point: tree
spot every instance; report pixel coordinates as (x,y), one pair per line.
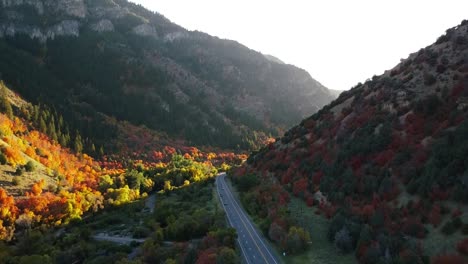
(78,144)
(343,241)
(227,256)
(297,239)
(29,167)
(168,186)
(276,233)
(5,105)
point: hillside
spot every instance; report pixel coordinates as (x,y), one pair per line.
(60,206)
(386,163)
(102,62)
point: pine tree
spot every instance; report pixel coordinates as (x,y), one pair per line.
(42,125)
(78,144)
(5,105)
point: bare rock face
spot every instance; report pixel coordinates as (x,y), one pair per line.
(64,28)
(38,5)
(103,25)
(145,30)
(175,36)
(76,8)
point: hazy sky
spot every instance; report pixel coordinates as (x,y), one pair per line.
(340,43)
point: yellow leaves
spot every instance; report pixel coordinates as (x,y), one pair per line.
(8,213)
(14,157)
(122,195)
(225,167)
(211,156)
(6,126)
(148,185)
(168,186)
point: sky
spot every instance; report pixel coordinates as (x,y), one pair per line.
(339,42)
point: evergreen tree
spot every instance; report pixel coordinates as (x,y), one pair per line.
(78,144)
(42,125)
(5,105)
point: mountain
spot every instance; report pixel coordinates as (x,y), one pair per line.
(274,59)
(102,62)
(386,162)
(335,93)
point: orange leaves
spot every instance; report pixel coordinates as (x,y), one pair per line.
(8,214)
(14,156)
(36,189)
(7,203)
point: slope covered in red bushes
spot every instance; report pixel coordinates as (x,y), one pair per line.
(387,161)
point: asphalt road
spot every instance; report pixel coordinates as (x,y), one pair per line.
(253,246)
(124,240)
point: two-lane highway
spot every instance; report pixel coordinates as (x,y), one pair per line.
(253,246)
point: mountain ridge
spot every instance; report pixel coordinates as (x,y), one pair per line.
(197,87)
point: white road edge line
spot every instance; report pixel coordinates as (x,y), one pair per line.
(230,223)
(248,221)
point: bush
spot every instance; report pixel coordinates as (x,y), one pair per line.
(465,229)
(457,222)
(140,232)
(16,181)
(447,259)
(29,167)
(449,228)
(343,241)
(462,246)
(3,159)
(19,171)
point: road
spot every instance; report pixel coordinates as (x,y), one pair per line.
(254,248)
(125,240)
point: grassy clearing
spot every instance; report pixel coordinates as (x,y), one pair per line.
(125,220)
(321,250)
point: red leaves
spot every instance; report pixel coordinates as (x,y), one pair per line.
(462,247)
(300,186)
(368,211)
(384,157)
(414,124)
(317,177)
(310,201)
(458,89)
(435,216)
(448,259)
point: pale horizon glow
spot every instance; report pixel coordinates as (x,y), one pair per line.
(339,42)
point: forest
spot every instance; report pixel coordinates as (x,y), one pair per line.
(57,197)
(386,165)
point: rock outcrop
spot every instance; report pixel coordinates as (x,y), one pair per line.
(103,25)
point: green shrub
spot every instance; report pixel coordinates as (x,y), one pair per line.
(30,166)
(449,228)
(3,159)
(140,232)
(19,171)
(16,181)
(465,229)
(457,222)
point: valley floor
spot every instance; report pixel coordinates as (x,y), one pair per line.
(321,250)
